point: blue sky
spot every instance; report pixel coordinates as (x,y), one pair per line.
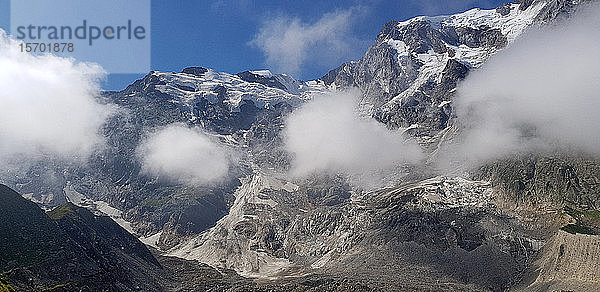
(220,34)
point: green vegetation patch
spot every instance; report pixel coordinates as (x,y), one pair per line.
(587,221)
(576,228)
(582,213)
(150,202)
(61,212)
(591,214)
(4,286)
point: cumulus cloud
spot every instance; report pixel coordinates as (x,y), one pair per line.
(328,135)
(48,105)
(184,155)
(541,93)
(288,42)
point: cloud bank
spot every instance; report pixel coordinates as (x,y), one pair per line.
(328,135)
(288,42)
(182,154)
(543,92)
(48,105)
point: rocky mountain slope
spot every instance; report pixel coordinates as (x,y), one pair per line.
(409,75)
(491,228)
(567,264)
(71,249)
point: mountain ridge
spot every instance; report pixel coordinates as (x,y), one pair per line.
(263,224)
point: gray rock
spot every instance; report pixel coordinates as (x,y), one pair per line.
(197,71)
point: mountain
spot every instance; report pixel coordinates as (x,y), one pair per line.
(71,249)
(409,75)
(508,224)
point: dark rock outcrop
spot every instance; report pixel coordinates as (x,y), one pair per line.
(196,71)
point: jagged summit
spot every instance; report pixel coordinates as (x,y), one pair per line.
(262,89)
(414,65)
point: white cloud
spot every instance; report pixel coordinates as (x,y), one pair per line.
(328,135)
(183,154)
(542,92)
(48,105)
(288,43)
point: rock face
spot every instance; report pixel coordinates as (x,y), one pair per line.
(408,76)
(223,104)
(446,226)
(572,181)
(484,230)
(71,249)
